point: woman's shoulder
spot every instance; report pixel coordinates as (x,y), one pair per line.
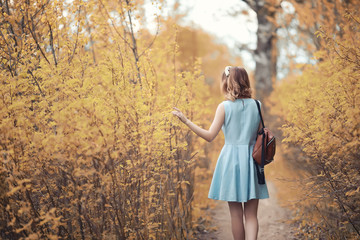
(257,100)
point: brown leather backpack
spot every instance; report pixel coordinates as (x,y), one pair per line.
(264,149)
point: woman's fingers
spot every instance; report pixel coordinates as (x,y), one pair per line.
(176,113)
(179,114)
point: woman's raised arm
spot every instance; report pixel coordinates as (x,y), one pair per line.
(214,129)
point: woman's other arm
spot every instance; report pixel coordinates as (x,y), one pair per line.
(214,129)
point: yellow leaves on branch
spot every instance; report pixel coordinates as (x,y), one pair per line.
(88,151)
(321,111)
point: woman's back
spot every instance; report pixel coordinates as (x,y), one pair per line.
(241,121)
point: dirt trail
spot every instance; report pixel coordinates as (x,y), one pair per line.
(270,214)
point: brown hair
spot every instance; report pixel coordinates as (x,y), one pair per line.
(236,85)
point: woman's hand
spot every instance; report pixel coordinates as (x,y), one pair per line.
(180,115)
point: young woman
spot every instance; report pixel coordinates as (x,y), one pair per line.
(235,178)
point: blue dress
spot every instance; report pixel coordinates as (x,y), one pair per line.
(235,177)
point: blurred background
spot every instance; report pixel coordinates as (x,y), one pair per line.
(90,149)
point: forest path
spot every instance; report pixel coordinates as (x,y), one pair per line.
(270,214)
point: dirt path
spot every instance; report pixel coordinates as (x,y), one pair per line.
(270,219)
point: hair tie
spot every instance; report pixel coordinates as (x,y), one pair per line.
(227,70)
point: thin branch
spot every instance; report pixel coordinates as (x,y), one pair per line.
(36,82)
(352,16)
(113,24)
(77,35)
(36,41)
(88,28)
(42,8)
(134,48)
(52,43)
(156,34)
(7,44)
(245,47)
(10,29)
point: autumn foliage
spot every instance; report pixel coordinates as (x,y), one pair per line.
(89,147)
(321,110)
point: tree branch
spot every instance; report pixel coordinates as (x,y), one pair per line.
(36,41)
(7,44)
(112,23)
(134,48)
(37,83)
(245,47)
(52,43)
(40,9)
(77,36)
(156,34)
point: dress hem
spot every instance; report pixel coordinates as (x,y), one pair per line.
(231,200)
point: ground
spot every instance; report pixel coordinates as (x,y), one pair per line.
(271,215)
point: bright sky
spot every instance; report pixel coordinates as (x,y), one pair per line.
(214,16)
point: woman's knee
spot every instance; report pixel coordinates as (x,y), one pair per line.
(249,216)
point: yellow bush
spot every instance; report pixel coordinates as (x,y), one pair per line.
(89,146)
(322,117)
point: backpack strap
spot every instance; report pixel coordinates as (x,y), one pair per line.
(260,172)
(258,107)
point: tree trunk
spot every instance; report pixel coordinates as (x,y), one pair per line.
(265,53)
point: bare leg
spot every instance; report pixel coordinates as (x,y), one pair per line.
(251,221)
(237,225)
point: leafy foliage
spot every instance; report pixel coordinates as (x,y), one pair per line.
(89,147)
(321,113)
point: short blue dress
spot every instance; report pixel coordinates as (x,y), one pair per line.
(235,177)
